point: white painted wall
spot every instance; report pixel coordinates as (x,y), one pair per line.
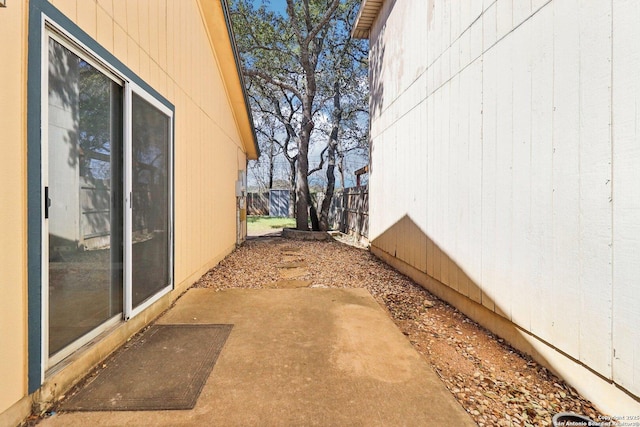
(505,163)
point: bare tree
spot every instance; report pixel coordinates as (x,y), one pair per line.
(301,66)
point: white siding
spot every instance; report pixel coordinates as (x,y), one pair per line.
(626,194)
(506,163)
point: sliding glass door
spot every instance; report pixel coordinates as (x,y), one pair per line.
(84,197)
(107,185)
(150,189)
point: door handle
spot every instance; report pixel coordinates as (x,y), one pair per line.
(47,202)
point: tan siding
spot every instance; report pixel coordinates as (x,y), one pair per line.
(13,277)
(167,45)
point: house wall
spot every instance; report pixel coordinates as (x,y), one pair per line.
(167,44)
(504,173)
(13,280)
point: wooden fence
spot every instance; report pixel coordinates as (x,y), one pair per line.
(349,212)
(258,203)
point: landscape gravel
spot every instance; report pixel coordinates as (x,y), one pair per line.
(494,383)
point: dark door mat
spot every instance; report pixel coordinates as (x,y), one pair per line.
(164,368)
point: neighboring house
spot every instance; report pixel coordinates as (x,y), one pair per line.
(126,136)
(505,173)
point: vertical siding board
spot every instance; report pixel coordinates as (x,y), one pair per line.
(383,171)
(154,30)
(541,172)
(133,25)
(87,17)
(437,202)
(595,185)
(489,166)
(431,185)
(375,188)
(423,195)
(446,26)
(104,29)
(430,24)
(504,184)
(521,11)
(394,144)
(465,48)
(68,7)
(403,144)
(464,235)
(489,24)
(120,43)
(120,12)
(389,175)
(144,25)
(465,14)
(411,177)
(377,178)
(445,222)
(522,250)
(476,8)
(476,39)
(566,186)
(453,220)
(626,194)
(474,182)
(162,37)
(374,163)
(180,206)
(454,10)
(504,17)
(420,194)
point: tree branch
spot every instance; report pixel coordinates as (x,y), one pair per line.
(269,79)
(321,165)
(323,21)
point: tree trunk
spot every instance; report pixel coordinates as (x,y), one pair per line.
(292,187)
(302,179)
(341,170)
(332,147)
(313,213)
(271,165)
(331,181)
(302,188)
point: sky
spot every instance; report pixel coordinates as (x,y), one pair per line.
(274,5)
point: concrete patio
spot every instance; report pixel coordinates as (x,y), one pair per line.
(307,356)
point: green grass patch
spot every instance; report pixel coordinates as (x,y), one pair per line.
(268,223)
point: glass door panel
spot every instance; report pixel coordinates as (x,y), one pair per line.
(150,238)
(85,219)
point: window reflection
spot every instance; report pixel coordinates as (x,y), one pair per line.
(85,220)
(150,252)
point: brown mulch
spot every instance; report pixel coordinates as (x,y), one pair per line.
(495,383)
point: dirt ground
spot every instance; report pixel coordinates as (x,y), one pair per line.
(495,384)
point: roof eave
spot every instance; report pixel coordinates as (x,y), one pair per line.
(369,10)
(224,46)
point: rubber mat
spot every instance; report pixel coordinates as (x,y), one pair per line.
(164,368)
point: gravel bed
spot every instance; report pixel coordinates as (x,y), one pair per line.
(495,383)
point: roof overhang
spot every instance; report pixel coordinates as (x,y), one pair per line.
(218,23)
(368,13)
